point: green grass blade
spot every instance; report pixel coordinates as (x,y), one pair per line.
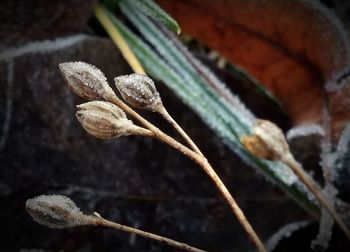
(151,9)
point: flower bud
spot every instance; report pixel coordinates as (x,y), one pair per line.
(139,91)
(55,211)
(104,120)
(267,141)
(86,80)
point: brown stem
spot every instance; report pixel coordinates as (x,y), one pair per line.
(202,161)
(313,187)
(99,221)
(163,112)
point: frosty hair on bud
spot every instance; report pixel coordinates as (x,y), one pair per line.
(139,91)
(55,211)
(86,80)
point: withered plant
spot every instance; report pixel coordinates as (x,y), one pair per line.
(105,117)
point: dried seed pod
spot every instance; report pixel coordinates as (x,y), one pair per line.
(139,91)
(267,141)
(104,120)
(86,80)
(55,211)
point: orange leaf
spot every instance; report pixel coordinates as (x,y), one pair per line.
(295,48)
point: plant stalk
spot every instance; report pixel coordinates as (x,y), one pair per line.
(313,187)
(204,164)
(99,221)
(163,112)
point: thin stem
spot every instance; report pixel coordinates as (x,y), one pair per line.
(157,132)
(163,112)
(202,161)
(142,132)
(99,221)
(313,187)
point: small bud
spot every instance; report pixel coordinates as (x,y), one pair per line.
(139,91)
(86,80)
(104,120)
(267,141)
(55,211)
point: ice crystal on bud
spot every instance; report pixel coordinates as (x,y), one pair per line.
(86,80)
(104,120)
(267,141)
(139,91)
(55,211)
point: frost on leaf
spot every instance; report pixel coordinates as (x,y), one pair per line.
(283,233)
(339,161)
(305,130)
(55,211)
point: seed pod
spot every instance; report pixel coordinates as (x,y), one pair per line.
(86,80)
(139,91)
(104,120)
(267,141)
(55,211)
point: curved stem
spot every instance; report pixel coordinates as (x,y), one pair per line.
(163,112)
(99,221)
(204,164)
(313,187)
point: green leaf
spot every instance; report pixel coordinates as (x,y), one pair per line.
(151,9)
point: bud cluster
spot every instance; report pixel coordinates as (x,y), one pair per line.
(104,119)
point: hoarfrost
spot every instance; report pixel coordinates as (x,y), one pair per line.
(55,211)
(45,46)
(305,130)
(284,232)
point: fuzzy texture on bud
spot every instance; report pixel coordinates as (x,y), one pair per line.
(55,211)
(86,80)
(139,91)
(104,120)
(267,141)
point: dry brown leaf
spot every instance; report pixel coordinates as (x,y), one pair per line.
(295,48)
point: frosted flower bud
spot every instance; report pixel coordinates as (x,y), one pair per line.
(267,141)
(104,120)
(86,80)
(55,211)
(139,91)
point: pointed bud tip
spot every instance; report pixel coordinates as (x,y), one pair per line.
(139,91)
(267,141)
(55,211)
(86,80)
(104,120)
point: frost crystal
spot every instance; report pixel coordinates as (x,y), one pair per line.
(284,232)
(55,211)
(321,243)
(104,120)
(139,91)
(305,130)
(86,80)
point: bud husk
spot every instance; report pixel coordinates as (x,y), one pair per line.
(139,91)
(104,120)
(55,211)
(86,80)
(267,141)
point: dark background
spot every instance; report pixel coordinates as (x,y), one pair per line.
(131,180)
